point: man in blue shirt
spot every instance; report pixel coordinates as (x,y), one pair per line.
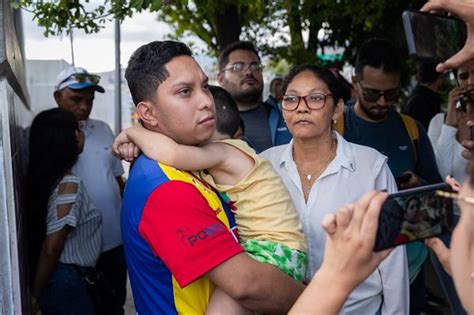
(374,122)
(240,73)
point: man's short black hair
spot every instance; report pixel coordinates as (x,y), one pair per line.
(239,45)
(379,54)
(227,112)
(427,72)
(146,68)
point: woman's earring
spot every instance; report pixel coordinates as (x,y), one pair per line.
(334,121)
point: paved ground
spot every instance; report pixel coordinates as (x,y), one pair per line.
(129,305)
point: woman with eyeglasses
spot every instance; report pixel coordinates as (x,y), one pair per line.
(63,225)
(323,172)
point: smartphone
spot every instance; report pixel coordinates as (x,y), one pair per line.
(433,37)
(402,178)
(412,215)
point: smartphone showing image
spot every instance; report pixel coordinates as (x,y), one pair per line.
(412,215)
(433,37)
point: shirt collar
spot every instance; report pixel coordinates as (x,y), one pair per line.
(344,155)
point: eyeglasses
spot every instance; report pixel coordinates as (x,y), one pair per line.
(372,95)
(455,196)
(313,101)
(240,66)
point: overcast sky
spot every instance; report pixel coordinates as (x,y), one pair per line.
(96,51)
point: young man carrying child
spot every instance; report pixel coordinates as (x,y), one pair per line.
(267,222)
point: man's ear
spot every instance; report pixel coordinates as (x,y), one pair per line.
(57,97)
(147,113)
(220,78)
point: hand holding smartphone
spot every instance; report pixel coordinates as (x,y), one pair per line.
(433,37)
(414,214)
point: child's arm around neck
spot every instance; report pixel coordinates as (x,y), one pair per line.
(215,156)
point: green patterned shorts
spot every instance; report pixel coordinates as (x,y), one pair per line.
(291,261)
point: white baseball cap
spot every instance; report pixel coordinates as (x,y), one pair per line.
(77,78)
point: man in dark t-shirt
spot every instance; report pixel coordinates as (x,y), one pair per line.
(425,102)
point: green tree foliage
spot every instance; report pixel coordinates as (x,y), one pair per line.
(295,30)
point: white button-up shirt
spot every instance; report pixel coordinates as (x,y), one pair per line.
(355,170)
(98,169)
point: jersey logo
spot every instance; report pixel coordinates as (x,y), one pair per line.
(403,147)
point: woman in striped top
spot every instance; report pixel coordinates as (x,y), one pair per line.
(63,224)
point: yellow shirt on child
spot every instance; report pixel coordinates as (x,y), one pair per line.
(265,210)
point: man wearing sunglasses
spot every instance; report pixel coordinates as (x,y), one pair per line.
(240,73)
(374,122)
(100,172)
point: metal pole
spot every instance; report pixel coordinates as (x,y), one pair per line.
(118,80)
(71,40)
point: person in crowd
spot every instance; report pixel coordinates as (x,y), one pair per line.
(179,235)
(374,122)
(275,92)
(63,225)
(424,101)
(240,73)
(100,172)
(447,130)
(267,222)
(322,171)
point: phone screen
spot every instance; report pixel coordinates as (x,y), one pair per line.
(412,215)
(433,37)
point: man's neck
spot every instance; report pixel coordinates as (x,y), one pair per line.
(361,114)
(244,107)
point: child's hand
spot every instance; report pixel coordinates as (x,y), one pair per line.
(128,151)
(124,148)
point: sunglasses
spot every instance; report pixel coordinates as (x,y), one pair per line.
(372,95)
(86,77)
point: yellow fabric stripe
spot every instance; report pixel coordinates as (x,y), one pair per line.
(211,197)
(194,298)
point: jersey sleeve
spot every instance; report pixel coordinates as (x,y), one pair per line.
(184,231)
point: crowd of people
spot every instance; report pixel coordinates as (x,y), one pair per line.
(283,221)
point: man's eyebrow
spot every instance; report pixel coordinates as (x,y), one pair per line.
(183,83)
(189,83)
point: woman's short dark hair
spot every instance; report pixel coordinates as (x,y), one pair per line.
(321,73)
